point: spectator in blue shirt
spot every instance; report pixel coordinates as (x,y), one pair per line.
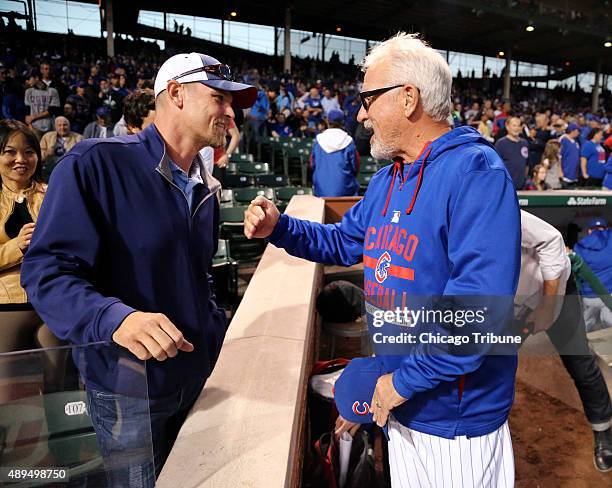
(592,122)
(284,100)
(593,159)
(313,108)
(514,151)
(280,127)
(351,107)
(256,120)
(570,155)
(329,102)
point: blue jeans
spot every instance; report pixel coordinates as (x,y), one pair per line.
(135,435)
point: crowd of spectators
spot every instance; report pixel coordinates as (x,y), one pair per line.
(548,138)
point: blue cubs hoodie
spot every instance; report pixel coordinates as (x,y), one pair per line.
(335,164)
(447,224)
(596,250)
(114,235)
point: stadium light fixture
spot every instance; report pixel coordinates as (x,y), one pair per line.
(608,44)
(530,27)
(338,29)
(501,54)
(233,13)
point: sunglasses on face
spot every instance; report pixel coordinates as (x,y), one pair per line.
(222,71)
(367,97)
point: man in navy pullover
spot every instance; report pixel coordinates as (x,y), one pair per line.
(570,155)
(434,223)
(127,234)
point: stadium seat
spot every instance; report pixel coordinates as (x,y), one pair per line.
(368,168)
(295,163)
(364,181)
(232,215)
(243,196)
(365,160)
(285,194)
(241,249)
(248,168)
(239,181)
(278,153)
(227,197)
(272,181)
(225,277)
(305,143)
(265,148)
(241,158)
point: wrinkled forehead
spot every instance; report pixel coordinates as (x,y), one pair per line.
(374,75)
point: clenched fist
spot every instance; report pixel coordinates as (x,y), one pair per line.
(149,335)
(260,218)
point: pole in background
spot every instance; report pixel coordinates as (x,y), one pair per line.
(287,44)
(110,34)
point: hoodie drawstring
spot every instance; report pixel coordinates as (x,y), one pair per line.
(397,166)
(419,180)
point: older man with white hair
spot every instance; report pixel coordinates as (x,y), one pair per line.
(56,143)
(441,221)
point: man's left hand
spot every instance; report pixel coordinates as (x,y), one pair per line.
(385,399)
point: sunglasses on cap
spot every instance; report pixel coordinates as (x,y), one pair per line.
(222,71)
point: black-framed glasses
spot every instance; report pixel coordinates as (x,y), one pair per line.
(366,95)
(222,71)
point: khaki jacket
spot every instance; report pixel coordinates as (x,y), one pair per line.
(48,140)
(10,254)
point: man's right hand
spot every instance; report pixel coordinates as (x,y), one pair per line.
(148,335)
(260,218)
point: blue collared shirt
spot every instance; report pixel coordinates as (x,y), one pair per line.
(187,182)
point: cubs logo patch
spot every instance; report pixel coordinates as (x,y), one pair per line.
(382,267)
(363,411)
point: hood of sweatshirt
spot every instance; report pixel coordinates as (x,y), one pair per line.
(333,140)
(428,155)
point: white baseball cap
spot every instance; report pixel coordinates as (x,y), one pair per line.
(188,68)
